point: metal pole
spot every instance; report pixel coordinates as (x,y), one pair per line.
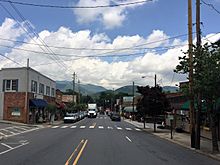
(192,119)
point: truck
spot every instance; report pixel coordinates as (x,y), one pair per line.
(92,110)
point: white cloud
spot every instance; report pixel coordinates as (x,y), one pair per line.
(109,17)
(101,71)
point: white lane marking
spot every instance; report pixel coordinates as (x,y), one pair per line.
(6,145)
(2,134)
(101,127)
(9,131)
(82,126)
(110,128)
(21,128)
(137,129)
(128,139)
(101,117)
(13,148)
(129,129)
(16,130)
(92,126)
(105,117)
(119,128)
(74,126)
(65,126)
(56,126)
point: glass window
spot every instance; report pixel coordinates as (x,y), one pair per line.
(33,86)
(48,91)
(41,88)
(52,92)
(10,85)
(15,111)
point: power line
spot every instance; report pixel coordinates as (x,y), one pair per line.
(36,35)
(10,59)
(211,6)
(76,6)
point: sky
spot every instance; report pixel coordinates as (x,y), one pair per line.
(106,46)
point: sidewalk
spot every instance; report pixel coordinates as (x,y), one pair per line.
(182,139)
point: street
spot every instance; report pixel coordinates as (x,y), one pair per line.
(98,141)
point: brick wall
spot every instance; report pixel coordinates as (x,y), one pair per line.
(14,107)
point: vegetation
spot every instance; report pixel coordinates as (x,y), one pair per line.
(206,79)
(152,103)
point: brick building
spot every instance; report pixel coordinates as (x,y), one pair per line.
(24,94)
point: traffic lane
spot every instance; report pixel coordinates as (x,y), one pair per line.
(46,146)
(165,150)
(111,147)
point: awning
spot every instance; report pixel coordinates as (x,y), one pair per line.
(39,103)
(129,109)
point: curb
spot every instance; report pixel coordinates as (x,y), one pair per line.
(179,143)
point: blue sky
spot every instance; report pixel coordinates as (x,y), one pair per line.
(108,28)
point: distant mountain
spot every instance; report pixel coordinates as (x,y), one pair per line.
(85,89)
(170,89)
(127,89)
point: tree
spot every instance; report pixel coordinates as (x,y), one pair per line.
(152,103)
(206,79)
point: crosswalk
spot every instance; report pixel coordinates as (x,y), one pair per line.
(95,127)
(15,130)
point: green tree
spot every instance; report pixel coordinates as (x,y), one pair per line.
(152,103)
(206,79)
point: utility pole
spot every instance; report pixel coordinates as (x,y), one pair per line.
(79,90)
(26,94)
(191,108)
(74,81)
(133,101)
(198,44)
(155,85)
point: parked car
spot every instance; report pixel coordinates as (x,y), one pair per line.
(70,118)
(116,117)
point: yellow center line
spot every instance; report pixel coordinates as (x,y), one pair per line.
(67,162)
(80,153)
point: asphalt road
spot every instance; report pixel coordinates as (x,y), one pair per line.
(95,142)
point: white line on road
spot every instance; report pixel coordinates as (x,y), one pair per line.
(92,126)
(110,128)
(13,148)
(6,145)
(82,126)
(105,117)
(2,134)
(119,128)
(65,126)
(137,129)
(129,129)
(128,139)
(101,117)
(74,126)
(55,126)
(101,127)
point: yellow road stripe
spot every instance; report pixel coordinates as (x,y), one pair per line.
(80,153)
(67,162)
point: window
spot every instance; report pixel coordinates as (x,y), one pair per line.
(10,85)
(52,92)
(33,86)
(15,111)
(48,91)
(41,88)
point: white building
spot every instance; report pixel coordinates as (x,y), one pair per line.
(23,89)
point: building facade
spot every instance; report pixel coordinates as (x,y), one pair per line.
(24,94)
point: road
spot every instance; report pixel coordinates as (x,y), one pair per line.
(95,141)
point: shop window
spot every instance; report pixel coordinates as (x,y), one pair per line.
(15,112)
(48,91)
(41,88)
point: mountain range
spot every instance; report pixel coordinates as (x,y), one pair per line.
(91,89)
